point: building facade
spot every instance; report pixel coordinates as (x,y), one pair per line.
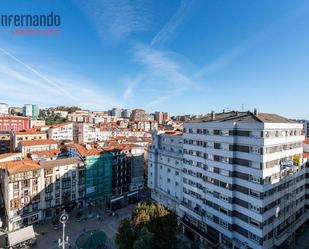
(30,110)
(13,123)
(243,180)
(34,191)
(5,142)
(165,169)
(4,109)
(61,132)
(26,135)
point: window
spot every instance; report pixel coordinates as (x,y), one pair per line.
(223,223)
(254,208)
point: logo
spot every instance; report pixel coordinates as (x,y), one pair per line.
(46,24)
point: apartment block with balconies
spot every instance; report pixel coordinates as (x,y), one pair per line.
(243,180)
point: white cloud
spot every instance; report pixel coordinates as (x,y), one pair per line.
(161,77)
(21,83)
(170,27)
(116,20)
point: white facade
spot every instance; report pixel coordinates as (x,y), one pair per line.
(4,109)
(85,133)
(243,180)
(61,132)
(37,122)
(165,169)
(235,177)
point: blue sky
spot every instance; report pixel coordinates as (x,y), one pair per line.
(181,56)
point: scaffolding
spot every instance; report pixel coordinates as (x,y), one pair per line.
(98,177)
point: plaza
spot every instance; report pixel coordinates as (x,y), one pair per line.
(47,235)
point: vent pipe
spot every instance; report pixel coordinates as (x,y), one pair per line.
(213,115)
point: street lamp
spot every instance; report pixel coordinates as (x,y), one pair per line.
(65,240)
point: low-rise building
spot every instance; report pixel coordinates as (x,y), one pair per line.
(13,123)
(85,133)
(61,113)
(36,122)
(34,191)
(61,132)
(28,146)
(4,109)
(27,135)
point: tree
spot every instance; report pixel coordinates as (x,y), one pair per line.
(152,226)
(159,220)
(146,240)
(126,236)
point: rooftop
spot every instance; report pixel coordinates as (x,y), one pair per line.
(59,162)
(20,166)
(6,155)
(37,142)
(245,117)
(47,153)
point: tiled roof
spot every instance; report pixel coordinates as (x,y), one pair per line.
(37,142)
(60,125)
(306,154)
(306,141)
(6,155)
(13,117)
(29,132)
(20,166)
(47,153)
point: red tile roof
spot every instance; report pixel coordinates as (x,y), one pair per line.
(47,153)
(20,166)
(37,142)
(6,155)
(306,141)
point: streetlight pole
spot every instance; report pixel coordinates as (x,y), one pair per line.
(65,240)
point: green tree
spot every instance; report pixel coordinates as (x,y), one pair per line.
(151,226)
(126,236)
(146,240)
(159,221)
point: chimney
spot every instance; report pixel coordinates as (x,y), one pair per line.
(213,115)
(255,112)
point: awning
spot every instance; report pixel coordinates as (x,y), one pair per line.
(117,199)
(134,193)
(21,235)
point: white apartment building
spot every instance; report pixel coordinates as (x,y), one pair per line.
(61,113)
(104,135)
(4,109)
(165,169)
(85,133)
(34,191)
(37,122)
(61,132)
(243,180)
